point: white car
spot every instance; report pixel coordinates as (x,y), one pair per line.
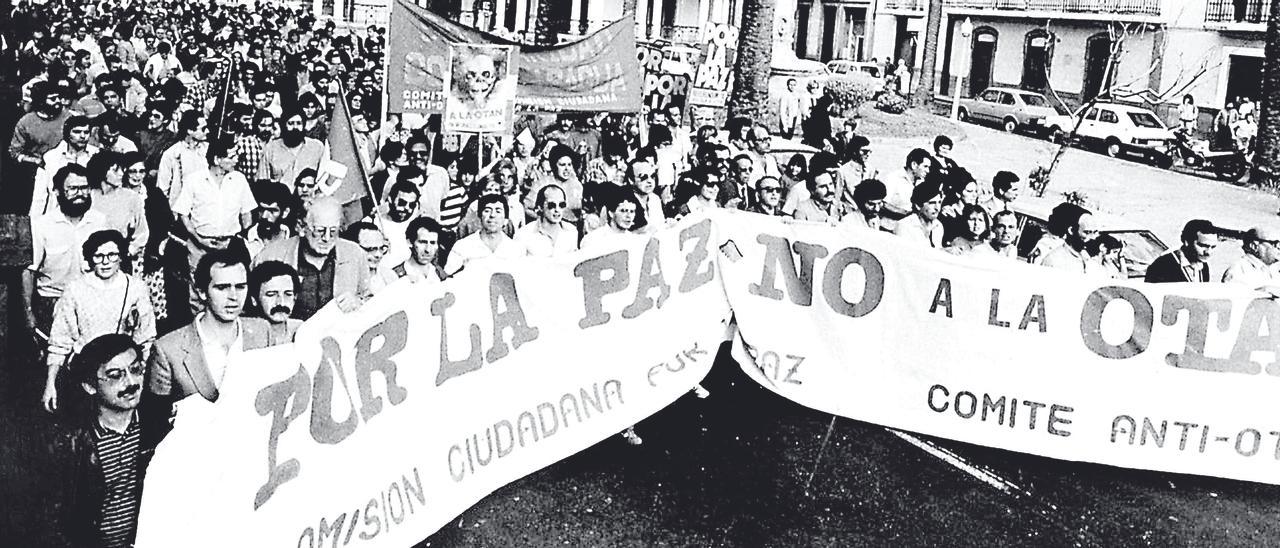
(1116,129)
(677,59)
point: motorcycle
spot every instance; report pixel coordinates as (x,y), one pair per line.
(1227,165)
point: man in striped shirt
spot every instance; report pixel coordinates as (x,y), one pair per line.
(107,449)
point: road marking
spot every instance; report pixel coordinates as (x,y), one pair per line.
(982,474)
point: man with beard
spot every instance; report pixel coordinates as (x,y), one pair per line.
(550,235)
(1189,263)
(402,207)
(186,157)
(423,235)
(922,228)
(56,240)
(155,138)
(269,217)
(1073,256)
(273,286)
(284,158)
(252,139)
(821,203)
(329,268)
(435,178)
(102,455)
(74,149)
(868,198)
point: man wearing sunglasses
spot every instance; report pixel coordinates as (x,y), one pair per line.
(768,197)
(550,235)
(104,453)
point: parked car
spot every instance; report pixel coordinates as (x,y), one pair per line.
(845,66)
(1115,129)
(678,59)
(1141,246)
(1011,108)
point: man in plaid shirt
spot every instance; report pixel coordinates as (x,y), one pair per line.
(252,138)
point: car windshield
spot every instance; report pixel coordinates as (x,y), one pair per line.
(1034,100)
(1144,119)
(1140,248)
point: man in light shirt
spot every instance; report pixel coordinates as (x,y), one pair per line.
(1257,268)
(922,227)
(74,149)
(550,235)
(185,157)
(423,235)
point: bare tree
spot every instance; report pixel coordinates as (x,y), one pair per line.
(1136,87)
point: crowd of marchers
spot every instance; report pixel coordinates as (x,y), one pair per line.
(173,156)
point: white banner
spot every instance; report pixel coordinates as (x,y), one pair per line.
(1179,378)
(377,428)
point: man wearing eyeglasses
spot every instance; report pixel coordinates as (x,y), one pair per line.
(329,268)
(103,454)
(763,164)
(403,205)
(1257,268)
(642,179)
(550,235)
(370,238)
(768,197)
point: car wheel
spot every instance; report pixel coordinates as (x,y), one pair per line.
(1232,170)
(962,114)
(1113,148)
(1163,161)
(1010,125)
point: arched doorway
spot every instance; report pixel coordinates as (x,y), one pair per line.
(1037,60)
(984,56)
(1097,79)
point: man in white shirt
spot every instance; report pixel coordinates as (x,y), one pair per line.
(490,242)
(620,225)
(1073,256)
(549,235)
(899,185)
(186,157)
(402,207)
(642,178)
(868,198)
(1257,268)
(922,228)
(161,65)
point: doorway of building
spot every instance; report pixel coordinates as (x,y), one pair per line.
(1037,60)
(1097,79)
(906,47)
(802,30)
(984,56)
(828,33)
(1244,78)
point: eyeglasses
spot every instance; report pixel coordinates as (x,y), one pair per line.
(378,248)
(711,183)
(321,232)
(136,369)
(556,204)
(106,257)
(770,189)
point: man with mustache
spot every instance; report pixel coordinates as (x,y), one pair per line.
(273,286)
(56,239)
(104,453)
(251,141)
(284,158)
(402,207)
(270,217)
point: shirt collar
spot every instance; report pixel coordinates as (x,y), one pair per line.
(102,431)
(204,338)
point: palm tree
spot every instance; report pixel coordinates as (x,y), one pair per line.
(750,95)
(1268,145)
(923,84)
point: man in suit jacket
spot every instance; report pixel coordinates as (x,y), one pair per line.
(329,268)
(1188,263)
(194,359)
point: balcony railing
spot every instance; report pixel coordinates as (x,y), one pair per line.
(682,34)
(905,5)
(1237,11)
(1100,7)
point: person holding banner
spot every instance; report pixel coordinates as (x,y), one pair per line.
(1072,256)
(273,289)
(922,227)
(549,235)
(868,199)
(1188,263)
(564,174)
(821,206)
(1257,268)
(1004,237)
(492,239)
(423,235)
(768,197)
(330,269)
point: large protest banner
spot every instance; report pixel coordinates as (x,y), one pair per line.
(1179,378)
(379,427)
(480,88)
(598,73)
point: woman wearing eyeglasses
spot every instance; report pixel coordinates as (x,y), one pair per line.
(102,301)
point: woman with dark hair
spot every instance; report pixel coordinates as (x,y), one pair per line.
(795,173)
(159,218)
(315,120)
(105,300)
(960,191)
(1108,256)
(124,208)
(974,232)
(817,128)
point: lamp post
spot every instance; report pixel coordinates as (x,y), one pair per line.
(966,30)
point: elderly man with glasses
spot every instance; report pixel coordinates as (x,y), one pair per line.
(329,268)
(1257,268)
(768,197)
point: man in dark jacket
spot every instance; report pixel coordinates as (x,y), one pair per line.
(105,450)
(1188,263)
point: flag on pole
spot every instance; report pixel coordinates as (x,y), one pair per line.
(345,177)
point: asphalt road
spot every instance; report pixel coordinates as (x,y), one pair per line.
(744,468)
